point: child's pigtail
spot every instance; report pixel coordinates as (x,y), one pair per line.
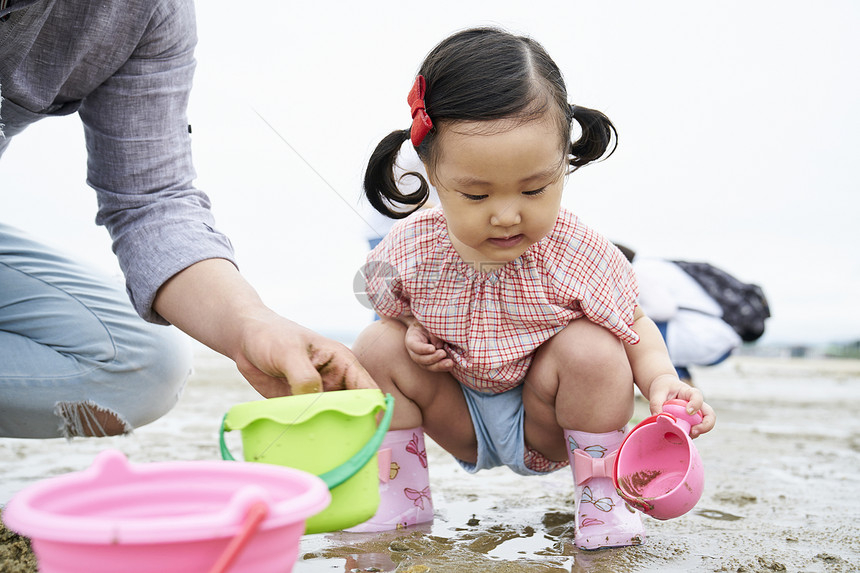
(598,136)
(380,186)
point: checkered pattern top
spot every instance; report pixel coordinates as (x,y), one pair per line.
(492,322)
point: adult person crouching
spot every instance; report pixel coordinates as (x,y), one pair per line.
(75,357)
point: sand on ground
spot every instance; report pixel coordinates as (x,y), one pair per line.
(782,485)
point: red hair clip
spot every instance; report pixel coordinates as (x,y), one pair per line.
(421,123)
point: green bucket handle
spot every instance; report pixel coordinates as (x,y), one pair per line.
(350,467)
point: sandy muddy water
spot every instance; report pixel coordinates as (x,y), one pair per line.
(782,485)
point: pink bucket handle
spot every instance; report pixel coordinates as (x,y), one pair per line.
(677,409)
(257,512)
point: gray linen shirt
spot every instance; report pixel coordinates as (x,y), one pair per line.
(126,67)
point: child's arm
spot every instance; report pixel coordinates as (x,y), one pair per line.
(655,376)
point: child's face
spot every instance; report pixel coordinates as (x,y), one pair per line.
(500,187)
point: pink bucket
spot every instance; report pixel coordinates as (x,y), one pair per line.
(170,517)
(658,469)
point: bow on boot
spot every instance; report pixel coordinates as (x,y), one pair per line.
(586,467)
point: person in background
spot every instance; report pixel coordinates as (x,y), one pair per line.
(689,319)
(75,357)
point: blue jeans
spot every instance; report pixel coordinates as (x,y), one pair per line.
(74,353)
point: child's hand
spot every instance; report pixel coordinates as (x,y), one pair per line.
(426,350)
(666,387)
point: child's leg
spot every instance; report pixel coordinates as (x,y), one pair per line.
(433,400)
(578,399)
(603,519)
(580,379)
(404,483)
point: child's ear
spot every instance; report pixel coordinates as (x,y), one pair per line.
(431,178)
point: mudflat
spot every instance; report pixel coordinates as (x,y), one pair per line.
(782,485)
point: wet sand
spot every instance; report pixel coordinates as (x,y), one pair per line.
(782,478)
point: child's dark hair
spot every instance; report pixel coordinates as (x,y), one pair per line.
(485,74)
(628,253)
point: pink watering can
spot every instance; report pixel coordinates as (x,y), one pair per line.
(658,469)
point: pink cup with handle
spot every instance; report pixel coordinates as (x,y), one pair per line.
(658,469)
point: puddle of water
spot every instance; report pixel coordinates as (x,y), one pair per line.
(511,539)
(717,514)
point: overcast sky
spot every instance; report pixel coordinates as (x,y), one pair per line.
(738,144)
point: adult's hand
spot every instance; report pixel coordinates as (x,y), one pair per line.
(279,357)
(214,304)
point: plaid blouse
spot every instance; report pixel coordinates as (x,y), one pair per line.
(492,322)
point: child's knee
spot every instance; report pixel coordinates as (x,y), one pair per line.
(583,346)
(379,343)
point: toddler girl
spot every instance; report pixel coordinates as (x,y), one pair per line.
(510,332)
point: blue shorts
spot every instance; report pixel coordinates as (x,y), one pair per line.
(498,421)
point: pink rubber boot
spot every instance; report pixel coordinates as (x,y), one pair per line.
(603,518)
(404,483)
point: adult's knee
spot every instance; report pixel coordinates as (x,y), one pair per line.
(140,386)
(167,356)
(142,383)
(88,419)
(156,374)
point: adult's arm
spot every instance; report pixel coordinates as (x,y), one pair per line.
(178,267)
(139,153)
(212,302)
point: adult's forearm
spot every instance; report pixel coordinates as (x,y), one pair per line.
(211,302)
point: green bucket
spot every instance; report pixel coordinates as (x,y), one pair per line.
(333,435)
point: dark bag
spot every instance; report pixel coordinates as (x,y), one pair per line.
(744,305)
